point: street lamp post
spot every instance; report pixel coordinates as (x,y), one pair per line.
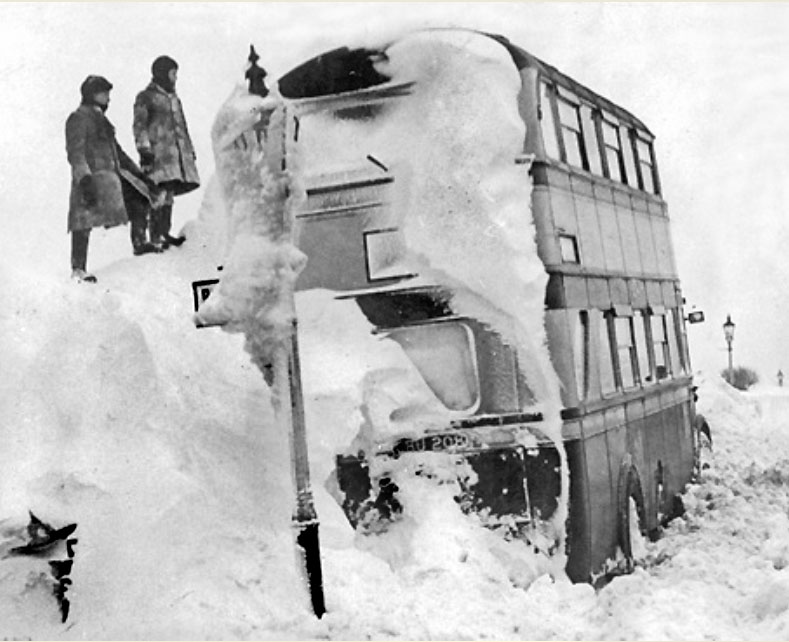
(728,332)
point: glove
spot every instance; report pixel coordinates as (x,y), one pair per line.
(146,159)
(87,188)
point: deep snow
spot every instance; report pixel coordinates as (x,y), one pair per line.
(157,439)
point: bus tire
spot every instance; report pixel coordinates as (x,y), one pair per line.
(702,438)
(630,506)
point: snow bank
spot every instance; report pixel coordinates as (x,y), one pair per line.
(123,418)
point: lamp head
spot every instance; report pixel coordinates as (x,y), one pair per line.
(728,328)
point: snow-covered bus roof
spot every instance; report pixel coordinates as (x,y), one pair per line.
(347,71)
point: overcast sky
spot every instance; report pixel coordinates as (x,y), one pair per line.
(709,79)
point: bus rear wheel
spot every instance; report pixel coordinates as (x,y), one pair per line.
(631,526)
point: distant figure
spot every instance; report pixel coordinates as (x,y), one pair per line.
(100,175)
(780,378)
(166,152)
(256,75)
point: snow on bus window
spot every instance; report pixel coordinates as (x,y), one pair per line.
(445,356)
(385,254)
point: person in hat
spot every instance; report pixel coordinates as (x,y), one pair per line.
(101,174)
(162,139)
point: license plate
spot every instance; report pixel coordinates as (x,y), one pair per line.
(446,442)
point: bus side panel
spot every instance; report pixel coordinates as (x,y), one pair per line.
(636,446)
(687,417)
(602,500)
(672,463)
(617,440)
(579,566)
(682,417)
(656,456)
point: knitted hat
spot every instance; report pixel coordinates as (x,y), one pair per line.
(92,85)
(162,66)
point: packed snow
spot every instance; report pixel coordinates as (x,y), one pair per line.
(159,441)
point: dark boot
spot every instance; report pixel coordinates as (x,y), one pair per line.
(156,229)
(138,231)
(166,223)
(147,248)
(79,256)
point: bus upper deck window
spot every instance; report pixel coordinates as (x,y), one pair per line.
(384,252)
(549,133)
(646,170)
(590,140)
(445,356)
(572,137)
(612,145)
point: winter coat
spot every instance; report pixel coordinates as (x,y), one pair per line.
(160,128)
(92,150)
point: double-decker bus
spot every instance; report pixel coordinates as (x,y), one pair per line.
(612,312)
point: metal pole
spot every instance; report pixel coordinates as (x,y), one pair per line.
(305,518)
(730,362)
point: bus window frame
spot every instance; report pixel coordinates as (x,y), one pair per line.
(608,120)
(682,339)
(386,333)
(635,139)
(663,346)
(606,349)
(582,353)
(647,376)
(563,99)
(551,140)
(588,113)
(618,348)
(367,237)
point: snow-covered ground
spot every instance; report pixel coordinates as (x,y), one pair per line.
(158,440)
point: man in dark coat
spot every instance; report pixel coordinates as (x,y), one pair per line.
(162,139)
(101,173)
